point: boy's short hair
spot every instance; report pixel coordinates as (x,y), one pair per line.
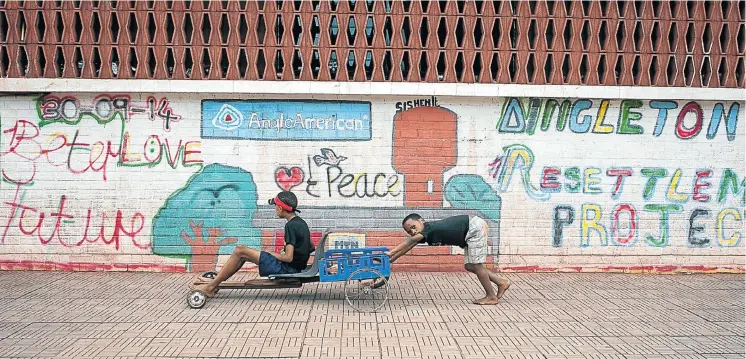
(287,198)
(413,216)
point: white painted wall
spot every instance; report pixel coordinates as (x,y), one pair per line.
(526,222)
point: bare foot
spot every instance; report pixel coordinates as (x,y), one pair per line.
(201,280)
(487,301)
(502,286)
(205,288)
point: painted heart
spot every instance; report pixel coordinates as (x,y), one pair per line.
(289,178)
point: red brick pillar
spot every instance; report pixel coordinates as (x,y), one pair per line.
(424,148)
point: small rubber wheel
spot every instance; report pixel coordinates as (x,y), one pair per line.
(366,297)
(196,299)
(209,275)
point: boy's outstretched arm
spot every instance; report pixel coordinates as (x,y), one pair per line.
(404,247)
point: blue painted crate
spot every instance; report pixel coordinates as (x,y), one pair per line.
(351,259)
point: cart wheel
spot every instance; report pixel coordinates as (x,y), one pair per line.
(209,275)
(380,282)
(196,299)
(366,297)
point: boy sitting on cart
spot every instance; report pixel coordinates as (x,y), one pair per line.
(465,231)
(293,259)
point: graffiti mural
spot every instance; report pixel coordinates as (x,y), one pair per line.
(328,177)
(104,109)
(73,169)
(173,183)
(582,116)
(105,139)
(58,226)
(660,184)
(209,216)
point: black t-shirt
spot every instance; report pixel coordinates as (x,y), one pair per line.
(450,231)
(298,234)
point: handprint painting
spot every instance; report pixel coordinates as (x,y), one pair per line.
(209,216)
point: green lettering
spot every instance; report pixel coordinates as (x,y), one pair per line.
(663,209)
(626,115)
(549,107)
(730,180)
(534,105)
(654,174)
(573,174)
(564,112)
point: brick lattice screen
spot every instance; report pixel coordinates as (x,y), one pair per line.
(645,43)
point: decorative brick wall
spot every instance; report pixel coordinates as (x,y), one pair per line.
(172,182)
(625,43)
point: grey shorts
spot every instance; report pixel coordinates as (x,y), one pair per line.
(476,241)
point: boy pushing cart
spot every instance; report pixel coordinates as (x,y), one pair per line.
(466,231)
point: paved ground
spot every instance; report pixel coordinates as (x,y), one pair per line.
(77,315)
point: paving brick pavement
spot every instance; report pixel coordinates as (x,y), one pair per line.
(428,315)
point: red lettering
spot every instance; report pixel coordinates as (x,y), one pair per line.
(132,232)
(20,137)
(135,226)
(98,149)
(21,218)
(75,145)
(699,186)
(620,174)
(56,231)
(21,181)
(51,150)
(549,178)
(623,207)
(152,145)
(685,133)
(12,215)
(105,151)
(88,225)
(118,229)
(172,159)
(22,144)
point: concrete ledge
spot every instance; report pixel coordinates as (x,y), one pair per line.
(367,88)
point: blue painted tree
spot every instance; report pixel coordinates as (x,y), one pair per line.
(472,192)
(209,216)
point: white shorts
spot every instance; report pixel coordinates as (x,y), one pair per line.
(476,242)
